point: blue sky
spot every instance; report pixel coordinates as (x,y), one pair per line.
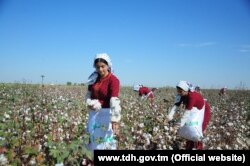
(152,42)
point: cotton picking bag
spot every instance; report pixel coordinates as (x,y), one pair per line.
(100,130)
(192,129)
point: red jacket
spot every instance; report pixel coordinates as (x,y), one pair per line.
(105,88)
(145,91)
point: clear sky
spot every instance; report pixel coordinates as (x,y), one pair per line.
(152,42)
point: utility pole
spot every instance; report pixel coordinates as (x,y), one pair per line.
(42,88)
(42,78)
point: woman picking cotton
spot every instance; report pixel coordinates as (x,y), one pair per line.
(104,105)
(196,116)
(146,93)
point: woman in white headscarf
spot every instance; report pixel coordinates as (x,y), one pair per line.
(104,105)
(192,100)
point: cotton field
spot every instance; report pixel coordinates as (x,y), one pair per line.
(45,125)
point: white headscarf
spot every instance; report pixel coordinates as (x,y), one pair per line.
(186,86)
(92,78)
(105,57)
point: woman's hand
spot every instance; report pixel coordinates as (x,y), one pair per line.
(94,104)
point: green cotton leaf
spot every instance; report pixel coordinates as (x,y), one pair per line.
(50,143)
(50,140)
(73,146)
(14,142)
(10,155)
(16,162)
(87,153)
(30,151)
(80,128)
(78,144)
(54,153)
(2,143)
(2,133)
(59,159)
(4,126)
(64,154)
(86,138)
(60,119)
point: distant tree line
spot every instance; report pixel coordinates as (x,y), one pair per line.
(75,84)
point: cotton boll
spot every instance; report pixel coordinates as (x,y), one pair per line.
(32,162)
(236,147)
(7,116)
(156,129)
(122,124)
(227,147)
(141,125)
(147,141)
(139,132)
(3,160)
(162,142)
(27,119)
(60,130)
(59,164)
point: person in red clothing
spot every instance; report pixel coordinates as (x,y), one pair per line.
(197,89)
(103,95)
(146,93)
(190,99)
(223,94)
(223,91)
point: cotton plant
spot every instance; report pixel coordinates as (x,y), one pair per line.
(38,113)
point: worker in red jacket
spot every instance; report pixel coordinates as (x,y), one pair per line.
(146,93)
(223,91)
(190,99)
(103,102)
